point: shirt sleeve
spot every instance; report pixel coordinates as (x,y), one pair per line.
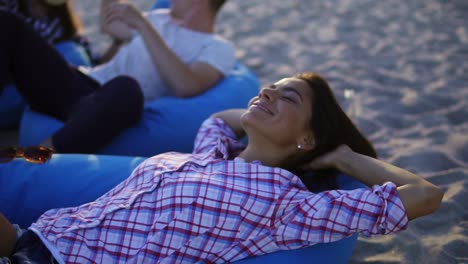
(333,215)
(211,132)
(220,54)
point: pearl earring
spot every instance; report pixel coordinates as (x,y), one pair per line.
(299,146)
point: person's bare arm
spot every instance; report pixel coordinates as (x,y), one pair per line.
(118,31)
(183,80)
(111,51)
(232,119)
(419,196)
(7,237)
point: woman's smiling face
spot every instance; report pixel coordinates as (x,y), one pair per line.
(281,112)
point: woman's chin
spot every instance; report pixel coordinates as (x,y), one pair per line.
(251,117)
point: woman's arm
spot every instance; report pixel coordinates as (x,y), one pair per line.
(183,80)
(225,125)
(232,118)
(419,196)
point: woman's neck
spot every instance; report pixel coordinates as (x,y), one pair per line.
(267,157)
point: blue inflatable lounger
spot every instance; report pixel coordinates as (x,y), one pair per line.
(27,190)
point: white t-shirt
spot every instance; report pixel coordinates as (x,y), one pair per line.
(190,46)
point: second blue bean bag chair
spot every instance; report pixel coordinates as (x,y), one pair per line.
(27,190)
(11,107)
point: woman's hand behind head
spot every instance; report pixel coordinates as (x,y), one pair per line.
(330,160)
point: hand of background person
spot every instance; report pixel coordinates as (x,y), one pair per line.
(123,12)
(117,29)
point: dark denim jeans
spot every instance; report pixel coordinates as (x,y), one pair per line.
(29,249)
(94,114)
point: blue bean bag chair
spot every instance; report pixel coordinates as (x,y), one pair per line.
(27,190)
(11,107)
(168,123)
(162,4)
(11,102)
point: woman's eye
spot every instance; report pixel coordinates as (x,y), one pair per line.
(289,99)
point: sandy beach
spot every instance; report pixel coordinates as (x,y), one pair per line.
(400,69)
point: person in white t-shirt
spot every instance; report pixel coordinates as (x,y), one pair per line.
(174,52)
(165,52)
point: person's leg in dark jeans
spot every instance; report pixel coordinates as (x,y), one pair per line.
(101,116)
(30,249)
(39,72)
(51,86)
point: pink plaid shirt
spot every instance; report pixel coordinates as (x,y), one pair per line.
(209,206)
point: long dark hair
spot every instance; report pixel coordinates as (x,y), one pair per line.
(217,4)
(69,22)
(332,128)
